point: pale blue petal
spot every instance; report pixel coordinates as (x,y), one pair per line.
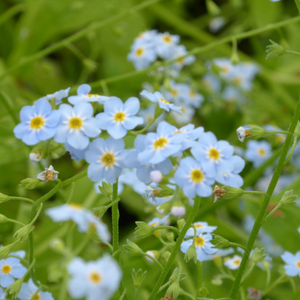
(26,113)
(139,142)
(84,109)
(112,174)
(226,149)
(113,105)
(132,160)
(78,140)
(149,96)
(83,89)
(201,255)
(90,128)
(185,245)
(77,287)
(143,174)
(116,130)
(115,145)
(132,106)
(96,172)
(238,163)
(145,156)
(104,120)
(53,119)
(203,190)
(131,122)
(61,133)
(288,257)
(189,190)
(224,165)
(46,133)
(18,271)
(165,167)
(6,280)
(157,158)
(42,107)
(20,130)
(30,138)
(291,270)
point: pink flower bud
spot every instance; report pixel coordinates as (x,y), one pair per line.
(156,176)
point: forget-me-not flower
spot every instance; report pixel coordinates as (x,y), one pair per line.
(201,227)
(83,95)
(57,96)
(10,268)
(106,159)
(118,117)
(77,125)
(142,55)
(292,267)
(157,97)
(233,263)
(193,178)
(257,152)
(29,289)
(38,123)
(165,44)
(213,154)
(94,278)
(186,115)
(178,52)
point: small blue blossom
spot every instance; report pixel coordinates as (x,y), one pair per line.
(178,52)
(193,178)
(211,82)
(258,152)
(202,227)
(231,94)
(213,154)
(203,246)
(57,96)
(146,37)
(106,159)
(160,145)
(83,95)
(38,123)
(234,262)
(225,66)
(166,44)
(10,268)
(91,279)
(157,97)
(232,178)
(185,116)
(77,125)
(292,267)
(29,289)
(118,117)
(157,221)
(216,24)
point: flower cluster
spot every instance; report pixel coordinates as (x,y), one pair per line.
(150,45)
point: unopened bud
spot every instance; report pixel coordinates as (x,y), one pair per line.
(231,192)
(178,211)
(274,50)
(99,211)
(152,253)
(3,219)
(173,290)
(35,156)
(15,288)
(180,223)
(106,189)
(23,232)
(138,277)
(4,198)
(219,241)
(5,250)
(217,280)
(156,176)
(170,236)
(191,254)
(29,183)
(251,132)
(258,255)
(56,150)
(165,257)
(203,291)
(288,198)
(133,249)
(175,275)
(143,230)
(58,246)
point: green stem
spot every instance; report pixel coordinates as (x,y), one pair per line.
(22,199)
(71,192)
(15,221)
(154,259)
(238,245)
(11,12)
(291,151)
(115,219)
(37,214)
(184,293)
(112,203)
(200,277)
(169,228)
(176,248)
(123,294)
(272,212)
(265,203)
(254,193)
(76,36)
(164,286)
(279,131)
(273,285)
(292,52)
(4,97)
(145,128)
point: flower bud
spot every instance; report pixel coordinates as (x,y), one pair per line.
(4,198)
(35,156)
(165,257)
(99,211)
(234,58)
(29,183)
(56,150)
(3,219)
(174,290)
(180,223)
(89,64)
(217,280)
(203,291)
(58,246)
(297,129)
(138,277)
(274,50)
(106,189)
(152,253)
(231,192)
(212,8)
(170,236)
(5,250)
(191,254)
(178,211)
(133,249)
(143,230)
(288,198)
(258,255)
(251,132)
(156,176)
(164,208)
(15,287)
(165,191)
(23,232)
(219,241)
(175,275)
(48,175)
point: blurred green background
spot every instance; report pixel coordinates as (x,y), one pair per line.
(48,45)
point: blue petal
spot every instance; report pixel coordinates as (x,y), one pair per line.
(53,119)
(148,95)
(145,156)
(84,109)
(157,158)
(78,140)
(185,245)
(139,142)
(131,122)
(95,172)
(20,130)
(6,280)
(61,133)
(30,138)
(201,255)
(143,173)
(116,130)
(97,145)
(113,105)
(26,113)
(238,163)
(288,257)
(83,89)
(131,160)
(226,149)
(90,128)
(46,133)
(165,167)
(43,107)
(115,145)
(132,106)
(189,190)
(66,110)
(203,190)
(112,174)
(104,120)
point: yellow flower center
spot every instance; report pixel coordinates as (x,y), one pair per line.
(178,131)
(149,118)
(75,206)
(139,51)
(236,262)
(119,117)
(154,223)
(261,152)
(198,226)
(92,95)
(95,277)
(75,123)
(160,143)
(298,264)
(174,92)
(214,154)
(237,80)
(197,176)
(207,84)
(164,100)
(37,297)
(192,94)
(37,122)
(108,159)
(199,241)
(167,38)
(224,69)
(6,269)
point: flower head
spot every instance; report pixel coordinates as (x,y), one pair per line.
(165,44)
(106,159)
(48,175)
(258,152)
(77,125)
(233,263)
(57,96)
(292,267)
(29,289)
(202,227)
(38,123)
(118,117)
(94,278)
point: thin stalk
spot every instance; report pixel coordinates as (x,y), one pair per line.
(11,12)
(272,212)
(115,219)
(145,128)
(5,102)
(292,52)
(22,199)
(200,277)
(254,193)
(172,257)
(123,294)
(71,192)
(265,203)
(238,245)
(154,259)
(184,293)
(15,221)
(169,228)
(112,203)
(291,151)
(164,286)
(273,285)
(279,131)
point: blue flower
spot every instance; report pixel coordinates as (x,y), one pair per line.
(292,267)
(202,227)
(232,178)
(106,159)
(203,246)
(177,53)
(38,123)
(214,155)
(57,96)
(166,44)
(10,268)
(143,170)
(29,289)
(77,125)
(146,37)
(157,221)
(118,117)
(157,97)
(148,114)
(83,95)
(211,82)
(160,145)
(185,116)
(258,152)
(193,178)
